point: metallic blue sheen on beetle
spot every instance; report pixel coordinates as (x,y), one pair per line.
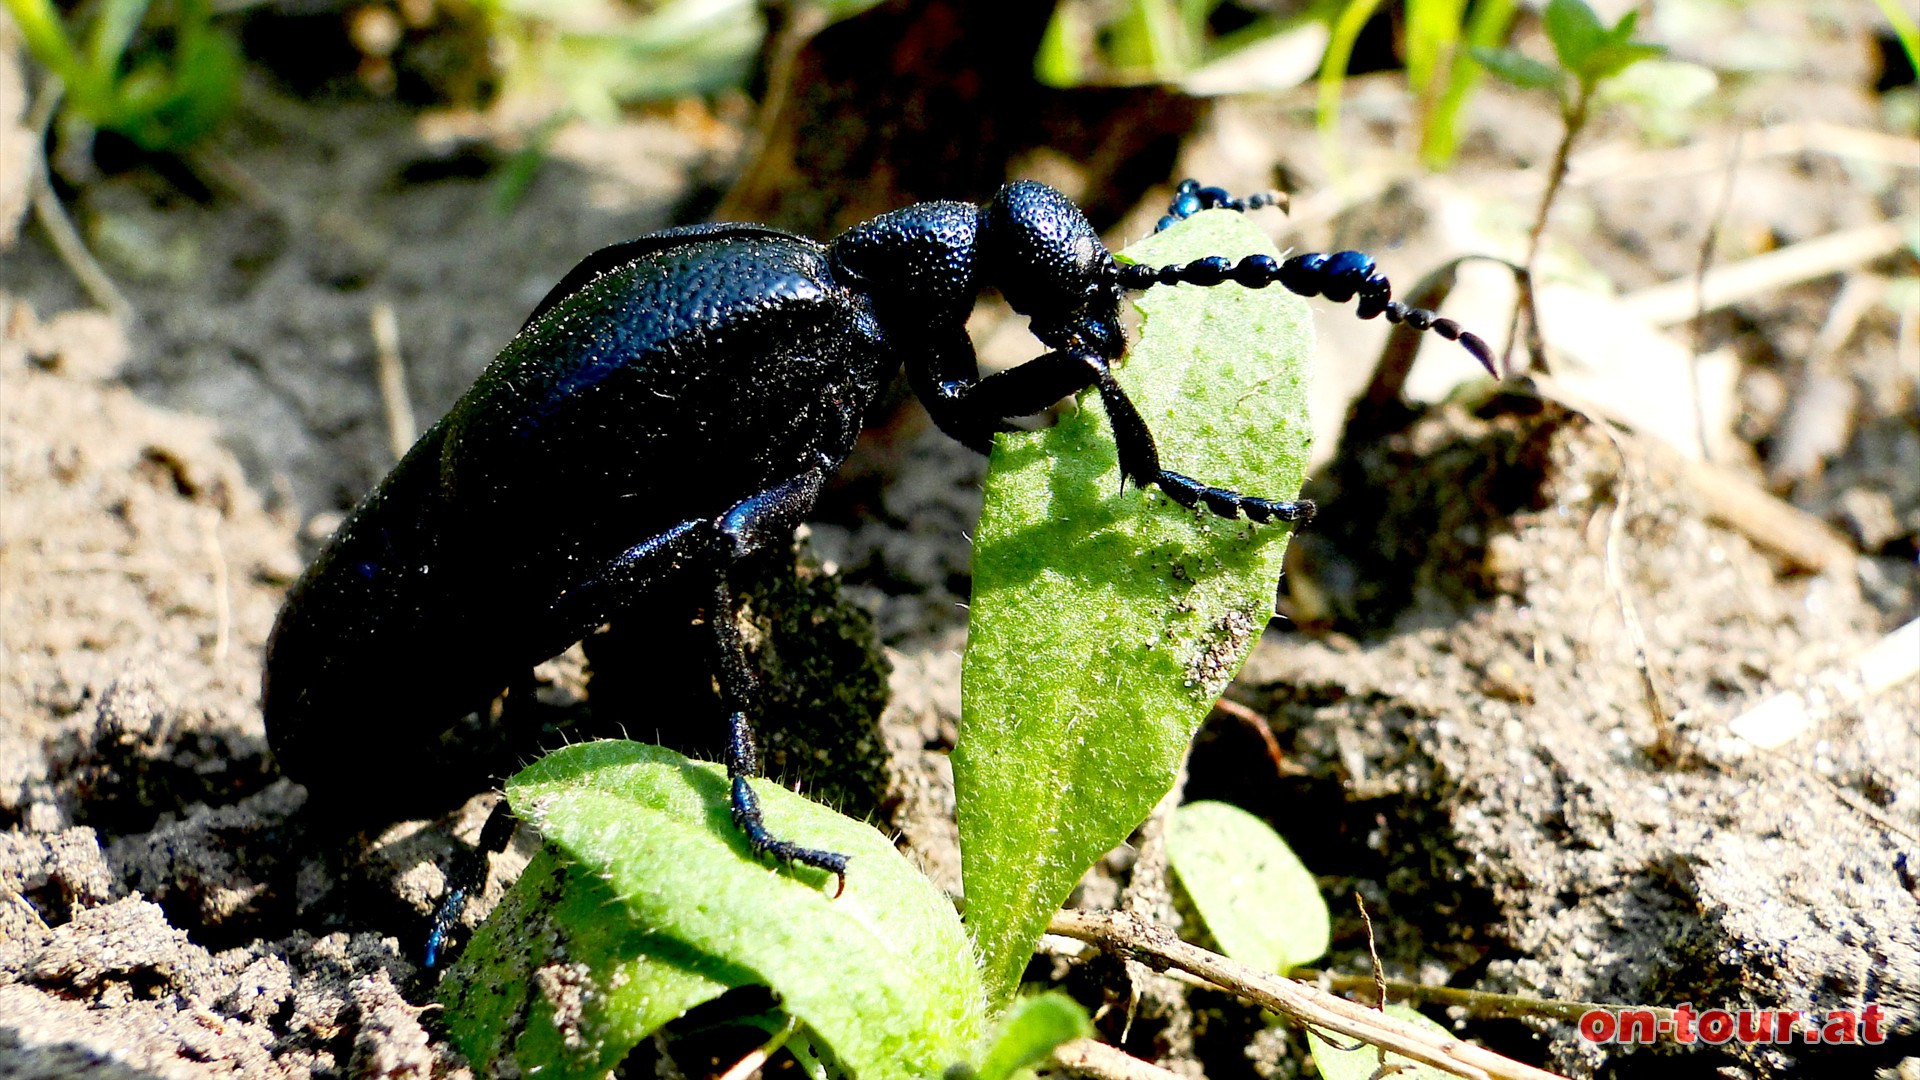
(671,408)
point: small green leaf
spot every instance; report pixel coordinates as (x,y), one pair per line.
(1518,68)
(1611,59)
(1259,902)
(653,900)
(1029,1031)
(1363,1062)
(1106,620)
(1574,30)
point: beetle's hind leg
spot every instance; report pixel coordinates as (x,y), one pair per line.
(469,876)
(1190,198)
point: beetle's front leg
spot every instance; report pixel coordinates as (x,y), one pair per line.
(971,410)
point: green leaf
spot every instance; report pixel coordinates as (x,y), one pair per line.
(46,38)
(560,979)
(1363,1062)
(1518,68)
(653,899)
(1029,1031)
(1106,620)
(1611,59)
(1259,902)
(1574,30)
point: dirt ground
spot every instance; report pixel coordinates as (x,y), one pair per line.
(1506,698)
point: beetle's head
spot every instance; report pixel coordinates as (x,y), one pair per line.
(1038,248)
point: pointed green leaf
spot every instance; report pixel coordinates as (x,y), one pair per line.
(1574,30)
(1610,60)
(1518,68)
(1029,1032)
(1259,902)
(883,976)
(1106,620)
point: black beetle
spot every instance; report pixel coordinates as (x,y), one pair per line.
(673,406)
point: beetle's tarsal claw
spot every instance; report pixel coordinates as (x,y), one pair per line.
(747,818)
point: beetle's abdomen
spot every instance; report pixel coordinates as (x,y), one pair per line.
(667,390)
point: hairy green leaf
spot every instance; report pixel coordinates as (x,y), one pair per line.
(1029,1031)
(653,902)
(1106,620)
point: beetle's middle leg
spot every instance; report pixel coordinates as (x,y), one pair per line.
(714,546)
(754,525)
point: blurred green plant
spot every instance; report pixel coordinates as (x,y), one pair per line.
(164,91)
(1173,41)
(1440,40)
(1900,18)
(1589,55)
(588,59)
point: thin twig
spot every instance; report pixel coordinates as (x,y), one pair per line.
(1785,716)
(1379,975)
(1261,727)
(1129,935)
(1666,738)
(1676,301)
(222,587)
(53,217)
(1614,166)
(1729,499)
(1087,1057)
(1819,418)
(401,428)
(1476,1003)
(1373,953)
(1707,245)
(1573,118)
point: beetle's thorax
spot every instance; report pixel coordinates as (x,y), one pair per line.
(918,264)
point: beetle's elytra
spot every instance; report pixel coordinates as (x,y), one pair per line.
(672,407)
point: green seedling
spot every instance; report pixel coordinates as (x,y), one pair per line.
(1588,54)
(163,97)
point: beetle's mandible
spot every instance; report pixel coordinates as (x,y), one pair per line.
(672,407)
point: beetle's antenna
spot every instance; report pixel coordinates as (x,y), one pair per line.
(1339,277)
(1190,198)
